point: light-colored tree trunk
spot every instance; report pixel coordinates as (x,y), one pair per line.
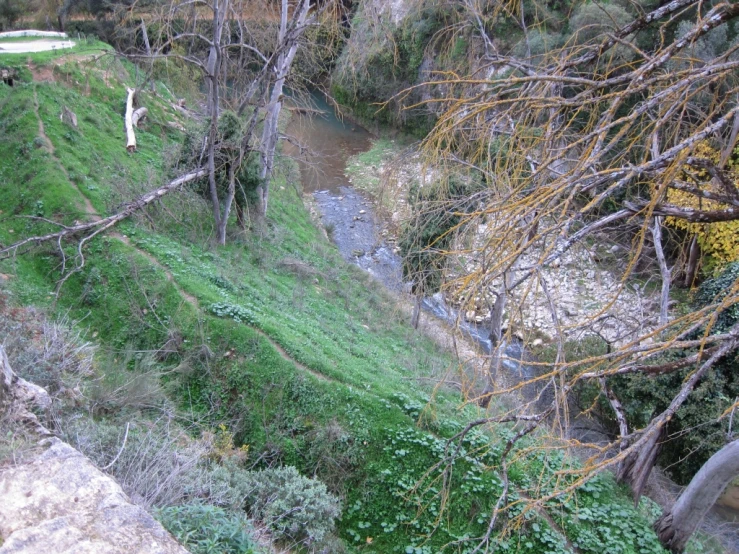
(496,336)
(130,135)
(137,116)
(147,46)
(663,270)
(213,68)
(228,201)
(678,524)
(288,39)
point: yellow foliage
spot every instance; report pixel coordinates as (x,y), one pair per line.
(719,240)
(222,446)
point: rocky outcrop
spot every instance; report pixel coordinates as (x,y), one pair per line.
(57,501)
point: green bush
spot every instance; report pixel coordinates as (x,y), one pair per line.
(715,290)
(206,529)
(291,505)
(590,21)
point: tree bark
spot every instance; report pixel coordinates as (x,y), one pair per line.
(213,67)
(693,258)
(416,316)
(227,202)
(282,68)
(138,115)
(147,46)
(496,337)
(677,525)
(130,135)
(663,270)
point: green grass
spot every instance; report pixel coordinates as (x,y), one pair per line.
(81,47)
(358,419)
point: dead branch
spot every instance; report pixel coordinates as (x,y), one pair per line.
(91,229)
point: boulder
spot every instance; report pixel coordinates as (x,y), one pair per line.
(57,501)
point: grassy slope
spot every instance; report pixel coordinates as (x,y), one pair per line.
(351,411)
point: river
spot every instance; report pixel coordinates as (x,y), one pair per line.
(351,220)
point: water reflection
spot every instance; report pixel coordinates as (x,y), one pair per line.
(330,142)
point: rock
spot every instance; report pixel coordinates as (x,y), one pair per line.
(358,253)
(59,502)
(469,315)
(537,342)
(614,249)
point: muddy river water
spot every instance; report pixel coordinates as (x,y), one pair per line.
(347,215)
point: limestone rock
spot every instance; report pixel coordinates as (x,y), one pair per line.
(59,502)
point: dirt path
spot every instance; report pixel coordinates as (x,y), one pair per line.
(285,356)
(190,299)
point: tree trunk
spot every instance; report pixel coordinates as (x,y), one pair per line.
(130,135)
(663,270)
(213,66)
(221,229)
(416,317)
(693,258)
(496,337)
(677,525)
(636,468)
(269,133)
(240,216)
(137,116)
(147,46)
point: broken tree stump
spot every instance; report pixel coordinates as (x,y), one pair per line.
(130,135)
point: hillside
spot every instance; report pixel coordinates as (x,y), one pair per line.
(221,365)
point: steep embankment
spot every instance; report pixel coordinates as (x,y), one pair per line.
(300,358)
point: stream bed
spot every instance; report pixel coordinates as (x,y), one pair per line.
(352,223)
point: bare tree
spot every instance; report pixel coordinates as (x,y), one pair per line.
(594,137)
(245,62)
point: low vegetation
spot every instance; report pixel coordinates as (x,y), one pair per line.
(225,390)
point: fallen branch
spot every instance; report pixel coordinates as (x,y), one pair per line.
(138,115)
(93,228)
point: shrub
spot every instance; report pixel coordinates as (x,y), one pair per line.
(47,353)
(715,290)
(206,529)
(291,505)
(155,462)
(591,21)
